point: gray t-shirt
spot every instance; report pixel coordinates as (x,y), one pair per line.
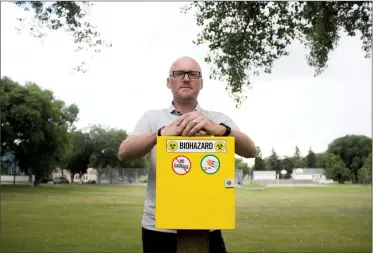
(150,122)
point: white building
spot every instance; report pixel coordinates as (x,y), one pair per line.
(91,175)
(264,175)
(314,174)
(57,173)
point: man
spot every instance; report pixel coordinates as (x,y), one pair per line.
(184,117)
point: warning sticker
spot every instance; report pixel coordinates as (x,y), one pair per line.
(181,165)
(210,164)
(219,146)
(196,146)
(172,145)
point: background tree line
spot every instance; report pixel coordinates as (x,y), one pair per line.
(347,158)
(38,130)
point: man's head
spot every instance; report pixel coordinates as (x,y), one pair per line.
(185,79)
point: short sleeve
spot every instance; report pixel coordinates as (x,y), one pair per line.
(144,125)
(223,118)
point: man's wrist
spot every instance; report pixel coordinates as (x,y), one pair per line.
(160,131)
(218,130)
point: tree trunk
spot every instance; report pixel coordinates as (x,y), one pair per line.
(14,174)
(193,241)
(99,175)
(30,177)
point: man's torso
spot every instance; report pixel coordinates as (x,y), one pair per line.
(151,122)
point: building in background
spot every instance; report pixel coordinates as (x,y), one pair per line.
(314,174)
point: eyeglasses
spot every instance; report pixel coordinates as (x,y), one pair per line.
(181,74)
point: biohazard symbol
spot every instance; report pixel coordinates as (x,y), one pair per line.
(219,146)
(172,146)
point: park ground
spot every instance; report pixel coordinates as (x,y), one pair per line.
(107,218)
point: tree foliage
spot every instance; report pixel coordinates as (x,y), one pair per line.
(365,172)
(97,147)
(34,126)
(310,159)
(69,16)
(241,165)
(259,162)
(274,162)
(38,131)
(321,159)
(245,38)
(353,149)
(347,158)
(298,160)
(336,169)
(287,164)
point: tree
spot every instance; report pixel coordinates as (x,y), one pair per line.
(98,148)
(287,164)
(67,15)
(365,172)
(82,148)
(336,169)
(241,165)
(274,162)
(298,161)
(245,38)
(34,126)
(311,159)
(321,159)
(353,149)
(259,163)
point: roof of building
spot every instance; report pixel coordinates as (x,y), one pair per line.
(309,171)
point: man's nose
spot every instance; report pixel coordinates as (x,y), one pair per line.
(186,78)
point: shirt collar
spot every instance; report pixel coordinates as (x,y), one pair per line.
(173,110)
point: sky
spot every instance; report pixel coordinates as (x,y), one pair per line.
(283,109)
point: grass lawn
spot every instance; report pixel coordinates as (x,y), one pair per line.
(107,218)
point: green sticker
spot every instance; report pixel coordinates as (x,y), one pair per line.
(210,164)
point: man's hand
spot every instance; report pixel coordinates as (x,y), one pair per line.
(176,128)
(196,121)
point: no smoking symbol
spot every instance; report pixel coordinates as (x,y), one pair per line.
(181,165)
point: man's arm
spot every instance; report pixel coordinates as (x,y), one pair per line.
(140,141)
(144,137)
(244,145)
(136,146)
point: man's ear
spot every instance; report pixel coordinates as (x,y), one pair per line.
(168,83)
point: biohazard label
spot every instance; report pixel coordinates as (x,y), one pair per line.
(196,146)
(181,165)
(210,164)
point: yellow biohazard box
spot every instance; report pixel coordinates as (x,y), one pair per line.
(195,183)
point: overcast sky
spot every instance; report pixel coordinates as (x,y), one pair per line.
(286,108)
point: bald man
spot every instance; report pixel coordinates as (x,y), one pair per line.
(184,117)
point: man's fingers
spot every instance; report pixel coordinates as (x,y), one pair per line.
(201,132)
(197,127)
(189,126)
(179,120)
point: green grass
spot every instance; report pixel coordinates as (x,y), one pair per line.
(107,218)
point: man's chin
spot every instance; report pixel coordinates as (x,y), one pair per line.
(187,97)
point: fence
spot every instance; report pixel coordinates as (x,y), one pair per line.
(16,179)
(122,176)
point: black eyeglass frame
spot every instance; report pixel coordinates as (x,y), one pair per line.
(184,73)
